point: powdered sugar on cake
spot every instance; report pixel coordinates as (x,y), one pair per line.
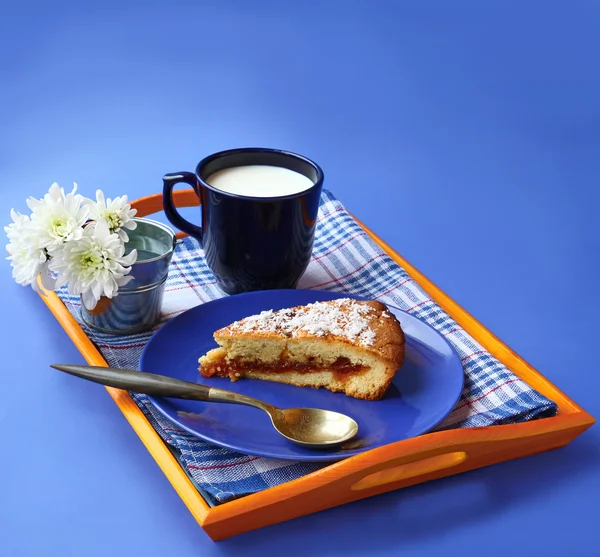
(344,318)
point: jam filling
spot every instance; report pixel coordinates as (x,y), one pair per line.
(341,368)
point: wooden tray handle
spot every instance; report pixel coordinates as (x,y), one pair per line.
(415,460)
(442,453)
(391,467)
(410,469)
(153,204)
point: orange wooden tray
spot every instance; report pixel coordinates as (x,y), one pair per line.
(386,468)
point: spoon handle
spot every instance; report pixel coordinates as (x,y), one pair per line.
(139,382)
(159,385)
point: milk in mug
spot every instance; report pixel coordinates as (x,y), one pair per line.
(259,180)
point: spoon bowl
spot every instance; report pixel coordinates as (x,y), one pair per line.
(311,428)
(314,428)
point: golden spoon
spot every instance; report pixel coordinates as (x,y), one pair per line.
(310,427)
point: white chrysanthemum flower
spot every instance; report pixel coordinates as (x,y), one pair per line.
(58,218)
(27,259)
(95,265)
(117,214)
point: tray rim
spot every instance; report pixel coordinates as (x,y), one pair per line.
(387,468)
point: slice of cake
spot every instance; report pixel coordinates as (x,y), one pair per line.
(343,345)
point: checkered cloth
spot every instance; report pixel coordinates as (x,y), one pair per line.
(344,259)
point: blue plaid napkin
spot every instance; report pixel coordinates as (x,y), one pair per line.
(344,259)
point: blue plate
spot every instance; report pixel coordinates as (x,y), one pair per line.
(422,394)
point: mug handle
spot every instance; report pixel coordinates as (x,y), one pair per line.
(169,182)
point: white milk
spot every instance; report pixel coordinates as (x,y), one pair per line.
(259,181)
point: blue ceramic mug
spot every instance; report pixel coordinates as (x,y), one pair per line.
(252,240)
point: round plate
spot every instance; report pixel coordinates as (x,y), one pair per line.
(423,392)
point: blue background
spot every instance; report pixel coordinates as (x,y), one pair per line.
(466,134)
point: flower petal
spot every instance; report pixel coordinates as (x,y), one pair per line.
(129,259)
(89,300)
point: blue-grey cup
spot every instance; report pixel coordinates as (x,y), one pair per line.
(251,243)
